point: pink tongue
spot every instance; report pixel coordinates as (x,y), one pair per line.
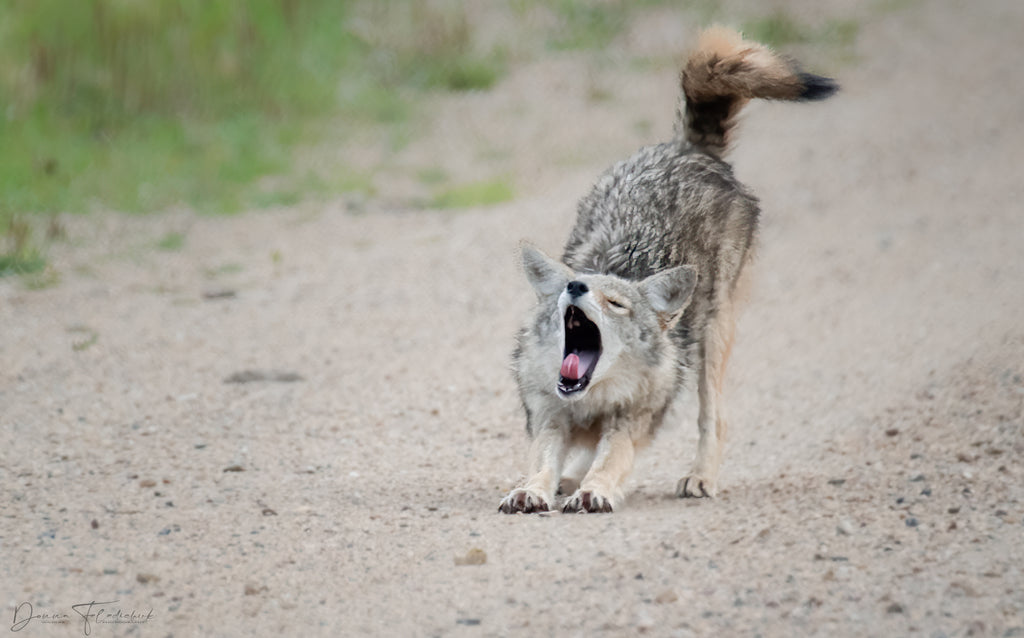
(571,367)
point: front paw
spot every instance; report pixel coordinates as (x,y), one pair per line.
(523,500)
(695,486)
(587,501)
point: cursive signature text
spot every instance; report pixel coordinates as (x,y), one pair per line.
(91,613)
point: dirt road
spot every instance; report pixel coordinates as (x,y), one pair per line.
(872,482)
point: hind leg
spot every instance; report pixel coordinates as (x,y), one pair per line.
(702,481)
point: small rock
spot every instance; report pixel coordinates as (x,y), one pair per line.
(844,528)
(667,596)
(957,588)
(836,481)
(475,556)
(894,608)
(892,432)
(911,521)
(147,483)
(250,376)
(917,479)
(234,468)
(147,578)
(643,620)
(471,622)
(95,524)
(252,590)
(223,293)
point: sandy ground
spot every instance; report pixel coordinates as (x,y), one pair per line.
(872,484)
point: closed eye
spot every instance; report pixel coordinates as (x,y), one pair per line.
(617,304)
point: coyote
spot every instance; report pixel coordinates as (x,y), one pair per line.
(644,296)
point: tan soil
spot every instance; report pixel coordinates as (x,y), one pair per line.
(872,484)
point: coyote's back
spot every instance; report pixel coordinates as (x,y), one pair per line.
(643,297)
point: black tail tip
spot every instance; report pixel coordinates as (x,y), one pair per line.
(817,87)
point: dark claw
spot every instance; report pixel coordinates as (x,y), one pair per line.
(522,503)
(691,490)
(587,503)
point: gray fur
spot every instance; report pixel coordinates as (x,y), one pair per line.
(659,244)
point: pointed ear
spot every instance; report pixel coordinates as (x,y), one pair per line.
(669,291)
(547,276)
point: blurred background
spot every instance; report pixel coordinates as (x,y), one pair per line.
(143,106)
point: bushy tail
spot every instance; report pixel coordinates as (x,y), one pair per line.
(724,72)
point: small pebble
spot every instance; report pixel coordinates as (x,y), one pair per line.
(475,556)
(911,522)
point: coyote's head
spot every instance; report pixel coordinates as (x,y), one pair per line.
(610,331)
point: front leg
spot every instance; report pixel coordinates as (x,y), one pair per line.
(547,454)
(600,490)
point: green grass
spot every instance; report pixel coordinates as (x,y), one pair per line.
(484,193)
(171,242)
(776,30)
(432,175)
(91,337)
(142,106)
(21,263)
(588,25)
(20,254)
(145,106)
(781,29)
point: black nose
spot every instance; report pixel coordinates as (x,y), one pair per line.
(577,288)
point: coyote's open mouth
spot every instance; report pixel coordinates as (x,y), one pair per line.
(582,350)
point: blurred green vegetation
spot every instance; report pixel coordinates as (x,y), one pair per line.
(149,105)
(781,28)
(140,106)
(483,193)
